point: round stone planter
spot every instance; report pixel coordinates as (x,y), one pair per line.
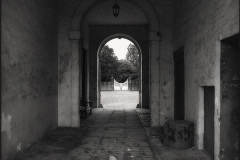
(179,134)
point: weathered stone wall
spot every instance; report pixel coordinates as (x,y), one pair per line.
(65,62)
(199,26)
(29,72)
(164,12)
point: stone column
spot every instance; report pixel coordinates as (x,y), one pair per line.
(154,46)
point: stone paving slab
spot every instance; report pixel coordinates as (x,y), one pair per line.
(105,135)
(138,149)
(111,134)
(161,151)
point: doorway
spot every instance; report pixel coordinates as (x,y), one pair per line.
(119,74)
(83,85)
(230,95)
(209,109)
(179,83)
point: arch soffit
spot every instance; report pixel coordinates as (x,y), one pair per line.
(86,5)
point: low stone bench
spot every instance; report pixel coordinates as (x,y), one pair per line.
(179,134)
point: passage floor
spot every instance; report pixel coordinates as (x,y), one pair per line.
(109,134)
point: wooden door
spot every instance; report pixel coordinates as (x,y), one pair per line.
(179,82)
(209,108)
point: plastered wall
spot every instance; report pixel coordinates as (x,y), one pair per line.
(164,12)
(29,72)
(198,27)
(65,62)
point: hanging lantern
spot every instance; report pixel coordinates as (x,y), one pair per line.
(116,9)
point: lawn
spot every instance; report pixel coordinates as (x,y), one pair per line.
(119,99)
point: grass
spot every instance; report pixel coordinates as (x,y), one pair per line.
(119,99)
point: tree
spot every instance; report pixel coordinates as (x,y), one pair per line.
(125,70)
(108,62)
(133,55)
(120,69)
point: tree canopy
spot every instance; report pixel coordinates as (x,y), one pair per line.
(108,63)
(125,70)
(121,70)
(133,55)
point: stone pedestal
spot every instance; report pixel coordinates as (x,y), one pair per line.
(179,134)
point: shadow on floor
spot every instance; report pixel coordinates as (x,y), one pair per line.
(108,134)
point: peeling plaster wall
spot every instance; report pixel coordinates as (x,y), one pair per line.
(164,109)
(164,12)
(199,26)
(29,72)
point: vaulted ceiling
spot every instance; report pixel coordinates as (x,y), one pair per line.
(101,14)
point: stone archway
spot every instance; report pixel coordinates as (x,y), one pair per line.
(76,34)
(140,58)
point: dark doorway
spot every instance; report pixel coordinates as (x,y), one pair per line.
(84,76)
(230,95)
(209,107)
(179,84)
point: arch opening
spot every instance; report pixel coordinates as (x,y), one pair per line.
(83,43)
(119,72)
